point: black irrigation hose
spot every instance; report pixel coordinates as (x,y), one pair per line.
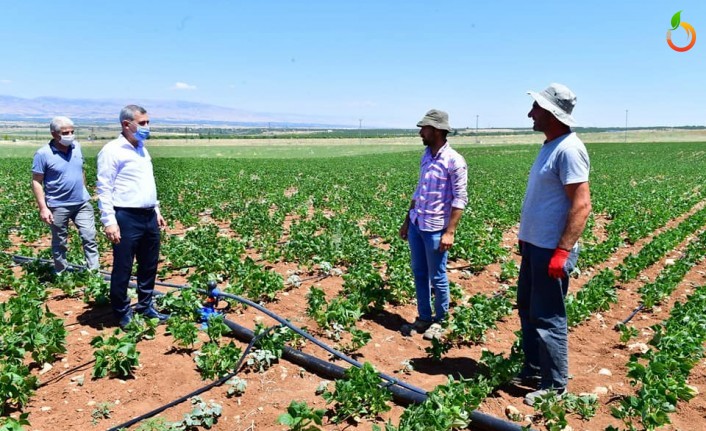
(401,390)
(196,392)
(629,318)
(316,341)
(65,373)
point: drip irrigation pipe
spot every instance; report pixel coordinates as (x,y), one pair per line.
(629,318)
(403,392)
(65,373)
(199,391)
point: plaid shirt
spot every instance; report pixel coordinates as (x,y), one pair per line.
(442,186)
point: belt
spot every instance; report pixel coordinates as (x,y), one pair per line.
(148,210)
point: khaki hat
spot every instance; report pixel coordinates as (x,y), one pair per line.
(436,119)
(558,100)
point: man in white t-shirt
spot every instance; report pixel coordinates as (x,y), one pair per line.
(554,212)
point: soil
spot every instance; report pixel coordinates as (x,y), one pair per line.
(68,396)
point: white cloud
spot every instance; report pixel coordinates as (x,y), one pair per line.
(183,86)
(5,81)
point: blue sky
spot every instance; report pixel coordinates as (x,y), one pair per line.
(382,62)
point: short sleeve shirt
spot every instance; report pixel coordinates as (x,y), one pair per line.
(545,209)
(63,175)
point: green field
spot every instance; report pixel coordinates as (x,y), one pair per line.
(316,206)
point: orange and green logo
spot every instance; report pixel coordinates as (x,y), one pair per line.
(690,32)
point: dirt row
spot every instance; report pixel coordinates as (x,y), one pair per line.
(71,396)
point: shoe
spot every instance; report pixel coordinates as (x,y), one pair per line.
(435,331)
(532,397)
(151,313)
(125,319)
(528,380)
(419,326)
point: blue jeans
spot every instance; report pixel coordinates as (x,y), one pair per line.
(429,269)
(540,303)
(83,218)
(139,238)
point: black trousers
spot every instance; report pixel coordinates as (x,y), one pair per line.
(139,238)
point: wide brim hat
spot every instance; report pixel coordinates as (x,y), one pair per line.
(559,100)
(436,119)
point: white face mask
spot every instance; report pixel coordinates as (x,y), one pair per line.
(67,140)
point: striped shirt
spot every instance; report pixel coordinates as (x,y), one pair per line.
(125,179)
(442,186)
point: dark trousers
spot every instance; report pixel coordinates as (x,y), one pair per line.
(139,238)
(540,304)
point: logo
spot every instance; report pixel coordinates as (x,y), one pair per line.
(690,32)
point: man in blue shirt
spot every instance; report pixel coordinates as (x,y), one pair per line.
(58,183)
(127,198)
(554,212)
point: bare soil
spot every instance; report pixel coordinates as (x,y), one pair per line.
(63,402)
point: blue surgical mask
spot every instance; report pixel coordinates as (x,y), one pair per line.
(142,133)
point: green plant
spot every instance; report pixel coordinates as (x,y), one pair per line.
(236,386)
(300,417)
(216,327)
(11,424)
(214,361)
(115,355)
(358,394)
(16,385)
(359,339)
(101,411)
(154,424)
(140,328)
(184,331)
(508,270)
(627,332)
(202,415)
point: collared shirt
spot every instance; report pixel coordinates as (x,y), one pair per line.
(545,208)
(442,186)
(125,179)
(63,175)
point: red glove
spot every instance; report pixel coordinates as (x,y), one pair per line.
(556,265)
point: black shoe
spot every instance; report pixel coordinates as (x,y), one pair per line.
(151,313)
(528,380)
(125,319)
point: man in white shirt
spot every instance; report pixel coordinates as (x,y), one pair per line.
(127,198)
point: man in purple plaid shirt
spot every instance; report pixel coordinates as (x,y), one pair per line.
(430,224)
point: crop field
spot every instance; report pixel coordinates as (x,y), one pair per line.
(312,237)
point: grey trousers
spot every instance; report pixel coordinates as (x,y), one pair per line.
(540,304)
(83,218)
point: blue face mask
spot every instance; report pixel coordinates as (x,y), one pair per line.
(141,134)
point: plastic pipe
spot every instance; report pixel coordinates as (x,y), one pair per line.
(403,393)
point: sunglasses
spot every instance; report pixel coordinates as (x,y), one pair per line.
(67,133)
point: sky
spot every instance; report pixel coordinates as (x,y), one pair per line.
(365,63)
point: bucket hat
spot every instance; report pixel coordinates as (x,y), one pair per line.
(436,119)
(559,100)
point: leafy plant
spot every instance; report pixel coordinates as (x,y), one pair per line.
(17,385)
(8,423)
(115,355)
(300,417)
(627,332)
(183,330)
(358,394)
(101,411)
(202,415)
(236,386)
(214,361)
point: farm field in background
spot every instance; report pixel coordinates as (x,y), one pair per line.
(312,236)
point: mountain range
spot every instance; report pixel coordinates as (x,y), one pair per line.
(161,111)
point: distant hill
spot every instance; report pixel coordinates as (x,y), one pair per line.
(162,111)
